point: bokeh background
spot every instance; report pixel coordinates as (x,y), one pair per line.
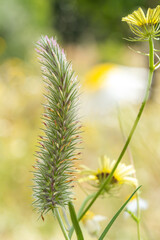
(91,32)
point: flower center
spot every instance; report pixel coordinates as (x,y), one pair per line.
(103,175)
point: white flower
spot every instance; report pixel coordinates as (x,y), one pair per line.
(91,223)
(107,84)
(132,206)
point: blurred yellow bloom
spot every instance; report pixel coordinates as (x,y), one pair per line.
(122,175)
(144,26)
(91,223)
(95,79)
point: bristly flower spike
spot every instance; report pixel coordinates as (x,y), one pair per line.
(53,180)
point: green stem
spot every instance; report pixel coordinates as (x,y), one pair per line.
(151,69)
(84,203)
(66,219)
(108,179)
(61,224)
(138,217)
(134,217)
(116,215)
(151,55)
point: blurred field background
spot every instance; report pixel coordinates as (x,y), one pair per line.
(91,33)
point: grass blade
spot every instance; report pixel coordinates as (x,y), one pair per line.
(75,221)
(116,215)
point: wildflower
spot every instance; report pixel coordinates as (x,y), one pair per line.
(91,223)
(122,174)
(95,78)
(106,84)
(143,26)
(54,169)
(132,206)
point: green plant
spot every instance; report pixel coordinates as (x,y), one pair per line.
(54,171)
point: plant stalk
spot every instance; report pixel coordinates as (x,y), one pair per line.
(61,224)
(151,69)
(137,219)
(108,179)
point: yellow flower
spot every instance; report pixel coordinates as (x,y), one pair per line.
(96,77)
(143,26)
(122,175)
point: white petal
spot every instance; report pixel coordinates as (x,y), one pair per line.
(130,180)
(92,227)
(99,218)
(132,205)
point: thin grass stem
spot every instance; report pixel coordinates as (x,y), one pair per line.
(108,179)
(56,211)
(137,219)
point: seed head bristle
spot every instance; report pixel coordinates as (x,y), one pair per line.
(54,169)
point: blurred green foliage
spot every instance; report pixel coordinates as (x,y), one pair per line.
(21,22)
(101,19)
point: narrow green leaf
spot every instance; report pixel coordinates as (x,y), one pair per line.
(75,221)
(81,210)
(116,215)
